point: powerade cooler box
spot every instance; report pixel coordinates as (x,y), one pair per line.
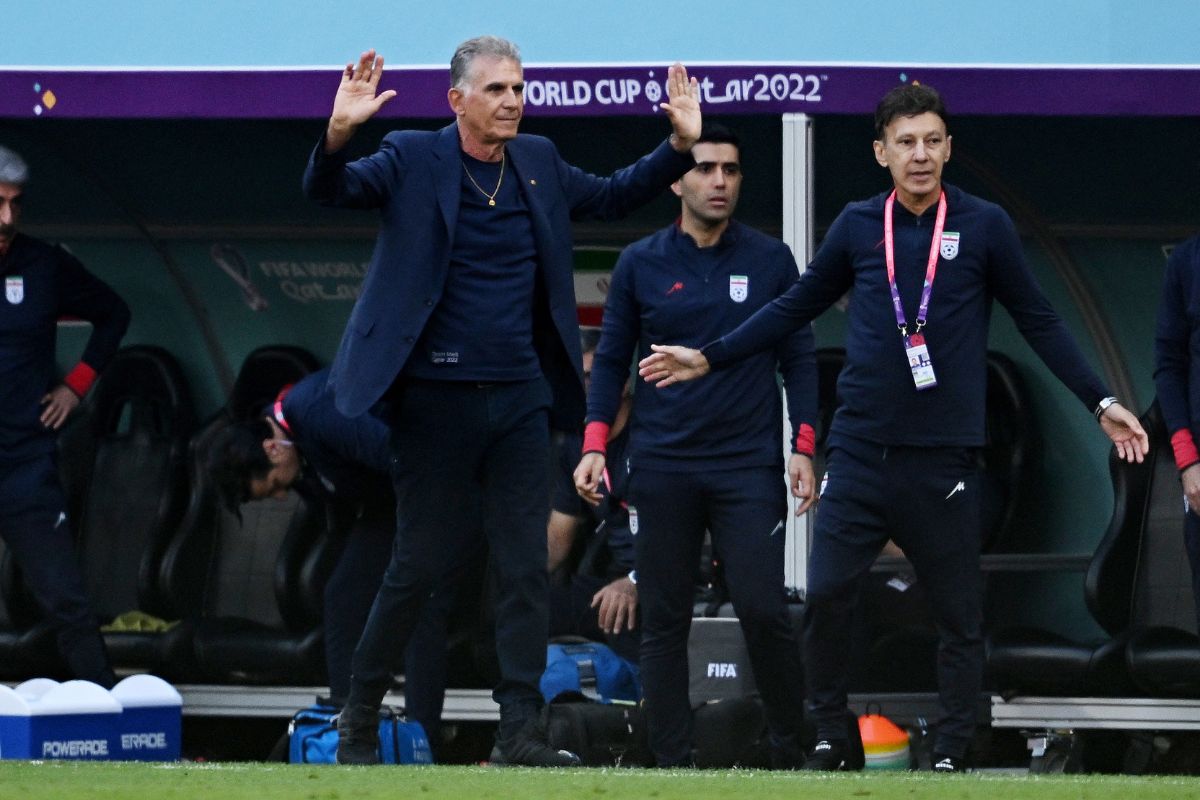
(43,719)
(150,723)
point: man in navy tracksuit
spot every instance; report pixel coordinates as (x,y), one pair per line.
(904,441)
(41,284)
(706,457)
(302,442)
(1177,379)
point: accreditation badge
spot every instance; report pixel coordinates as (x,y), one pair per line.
(14,289)
(917,353)
(739,288)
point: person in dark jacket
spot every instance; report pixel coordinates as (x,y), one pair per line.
(302,442)
(43,283)
(925,260)
(467,326)
(1177,381)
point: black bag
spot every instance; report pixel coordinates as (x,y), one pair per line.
(601,734)
(733,733)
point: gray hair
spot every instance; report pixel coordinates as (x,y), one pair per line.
(12,167)
(466,53)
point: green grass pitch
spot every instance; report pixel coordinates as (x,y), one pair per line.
(253,781)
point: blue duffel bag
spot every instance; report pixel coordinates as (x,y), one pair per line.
(590,669)
(313,737)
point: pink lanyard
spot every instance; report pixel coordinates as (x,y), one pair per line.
(930,269)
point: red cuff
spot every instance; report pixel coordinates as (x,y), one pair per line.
(1185,449)
(595,437)
(806,440)
(80,379)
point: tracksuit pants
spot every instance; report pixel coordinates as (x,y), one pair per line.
(744,510)
(927,500)
(468,461)
(33,524)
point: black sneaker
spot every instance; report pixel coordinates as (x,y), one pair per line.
(828,756)
(358,735)
(948,764)
(528,748)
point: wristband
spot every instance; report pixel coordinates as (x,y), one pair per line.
(595,437)
(1185,449)
(80,379)
(806,440)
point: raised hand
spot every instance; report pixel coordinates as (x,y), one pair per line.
(1126,433)
(682,107)
(670,364)
(356,100)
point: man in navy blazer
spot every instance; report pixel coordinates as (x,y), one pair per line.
(467,330)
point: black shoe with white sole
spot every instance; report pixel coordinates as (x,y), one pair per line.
(829,755)
(528,747)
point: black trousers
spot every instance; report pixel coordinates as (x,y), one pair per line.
(33,524)
(1191,538)
(349,595)
(470,462)
(927,500)
(744,510)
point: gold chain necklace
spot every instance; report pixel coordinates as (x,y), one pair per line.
(490,197)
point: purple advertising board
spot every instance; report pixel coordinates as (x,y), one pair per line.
(597,91)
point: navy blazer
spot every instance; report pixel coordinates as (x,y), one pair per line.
(414,180)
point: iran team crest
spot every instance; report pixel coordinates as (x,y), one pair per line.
(949,245)
(739,288)
(14,289)
(633,521)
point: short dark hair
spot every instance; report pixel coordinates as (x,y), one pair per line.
(716,133)
(237,457)
(908,100)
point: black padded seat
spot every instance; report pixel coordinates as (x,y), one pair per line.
(123,471)
(1164,651)
(251,589)
(1034,661)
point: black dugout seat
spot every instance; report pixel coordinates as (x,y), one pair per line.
(1164,652)
(1036,661)
(122,464)
(252,587)
(896,640)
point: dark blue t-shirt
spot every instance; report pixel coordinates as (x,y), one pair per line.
(482,328)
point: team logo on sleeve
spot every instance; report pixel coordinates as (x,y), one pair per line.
(14,289)
(739,288)
(949,244)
